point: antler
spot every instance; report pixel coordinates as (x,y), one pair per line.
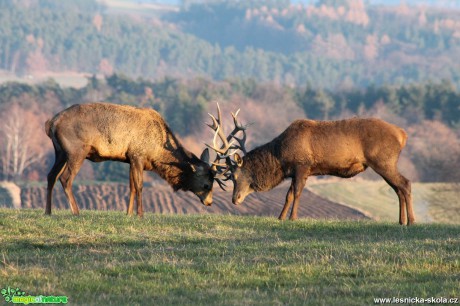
(223,170)
(219,131)
(238,128)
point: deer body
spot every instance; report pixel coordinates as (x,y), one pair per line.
(140,137)
(341,148)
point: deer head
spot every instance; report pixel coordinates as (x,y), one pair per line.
(200,182)
(242,180)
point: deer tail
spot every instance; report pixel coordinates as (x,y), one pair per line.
(403,138)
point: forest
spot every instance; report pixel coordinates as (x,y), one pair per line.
(331,44)
(429,112)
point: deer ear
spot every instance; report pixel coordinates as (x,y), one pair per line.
(205,156)
(239,160)
(195,168)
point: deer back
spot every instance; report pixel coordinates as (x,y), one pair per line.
(114,131)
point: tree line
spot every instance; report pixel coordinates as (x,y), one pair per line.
(333,44)
(430,113)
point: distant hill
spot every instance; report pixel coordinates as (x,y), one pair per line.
(344,43)
(336,43)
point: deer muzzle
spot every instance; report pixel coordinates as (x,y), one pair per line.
(237,199)
(207,200)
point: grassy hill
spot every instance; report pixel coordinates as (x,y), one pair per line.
(108,258)
(433,202)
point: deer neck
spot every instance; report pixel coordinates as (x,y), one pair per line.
(173,165)
(265,168)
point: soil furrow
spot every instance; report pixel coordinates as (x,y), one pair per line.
(162,199)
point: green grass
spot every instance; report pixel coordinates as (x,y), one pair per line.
(438,202)
(444,202)
(108,258)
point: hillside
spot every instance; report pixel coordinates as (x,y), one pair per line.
(330,44)
(433,202)
(105,258)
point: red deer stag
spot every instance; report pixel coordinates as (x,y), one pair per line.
(140,137)
(341,148)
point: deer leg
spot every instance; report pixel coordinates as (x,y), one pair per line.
(402,204)
(402,187)
(287,204)
(136,180)
(300,180)
(404,192)
(53,175)
(409,203)
(70,172)
(131,192)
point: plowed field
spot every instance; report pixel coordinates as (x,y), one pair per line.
(161,199)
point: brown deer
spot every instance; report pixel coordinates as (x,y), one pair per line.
(341,148)
(138,136)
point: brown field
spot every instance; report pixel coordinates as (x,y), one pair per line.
(161,199)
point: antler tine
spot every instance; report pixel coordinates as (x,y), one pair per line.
(226,145)
(219,164)
(219,114)
(221,184)
(225,174)
(241,142)
(237,125)
(238,128)
(228,153)
(214,124)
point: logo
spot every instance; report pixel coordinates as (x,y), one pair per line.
(17,296)
(10,293)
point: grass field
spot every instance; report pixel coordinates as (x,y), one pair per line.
(433,202)
(107,258)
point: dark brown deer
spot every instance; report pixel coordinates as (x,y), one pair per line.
(138,136)
(341,148)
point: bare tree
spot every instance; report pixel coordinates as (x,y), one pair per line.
(17,134)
